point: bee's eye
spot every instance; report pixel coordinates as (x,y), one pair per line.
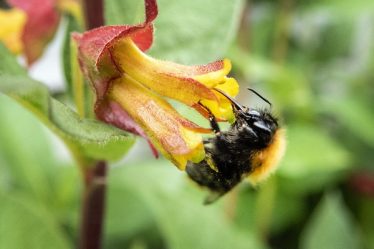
(260,125)
(253,113)
(252,116)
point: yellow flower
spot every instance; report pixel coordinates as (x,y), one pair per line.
(31,24)
(130,88)
(12,22)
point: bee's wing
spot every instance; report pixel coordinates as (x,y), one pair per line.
(212,197)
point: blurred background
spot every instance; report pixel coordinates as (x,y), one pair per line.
(314,60)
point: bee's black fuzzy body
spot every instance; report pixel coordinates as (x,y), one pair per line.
(235,154)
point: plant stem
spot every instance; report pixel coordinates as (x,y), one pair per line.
(93,13)
(93,203)
(93,206)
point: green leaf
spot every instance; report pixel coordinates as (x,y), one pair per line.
(26,224)
(192,31)
(357,117)
(313,160)
(88,139)
(176,206)
(126,215)
(344,9)
(17,85)
(287,84)
(31,165)
(98,140)
(331,227)
(365,207)
(22,142)
(119,12)
(67,188)
(288,210)
(309,151)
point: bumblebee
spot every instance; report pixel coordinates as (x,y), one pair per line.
(250,149)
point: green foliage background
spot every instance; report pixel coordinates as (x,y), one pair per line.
(313,59)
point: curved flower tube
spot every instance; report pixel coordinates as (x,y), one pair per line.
(129,86)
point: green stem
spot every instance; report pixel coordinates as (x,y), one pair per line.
(93,206)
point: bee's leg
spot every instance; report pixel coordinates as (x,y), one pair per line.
(214,124)
(207,140)
(212,119)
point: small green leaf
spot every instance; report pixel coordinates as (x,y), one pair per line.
(87,138)
(26,224)
(331,227)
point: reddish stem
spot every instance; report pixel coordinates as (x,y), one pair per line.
(93,206)
(93,203)
(93,13)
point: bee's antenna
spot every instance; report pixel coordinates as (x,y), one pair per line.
(267,101)
(233,101)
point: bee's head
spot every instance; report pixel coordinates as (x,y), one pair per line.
(260,122)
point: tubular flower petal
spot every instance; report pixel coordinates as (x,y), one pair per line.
(12,22)
(168,131)
(187,84)
(129,87)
